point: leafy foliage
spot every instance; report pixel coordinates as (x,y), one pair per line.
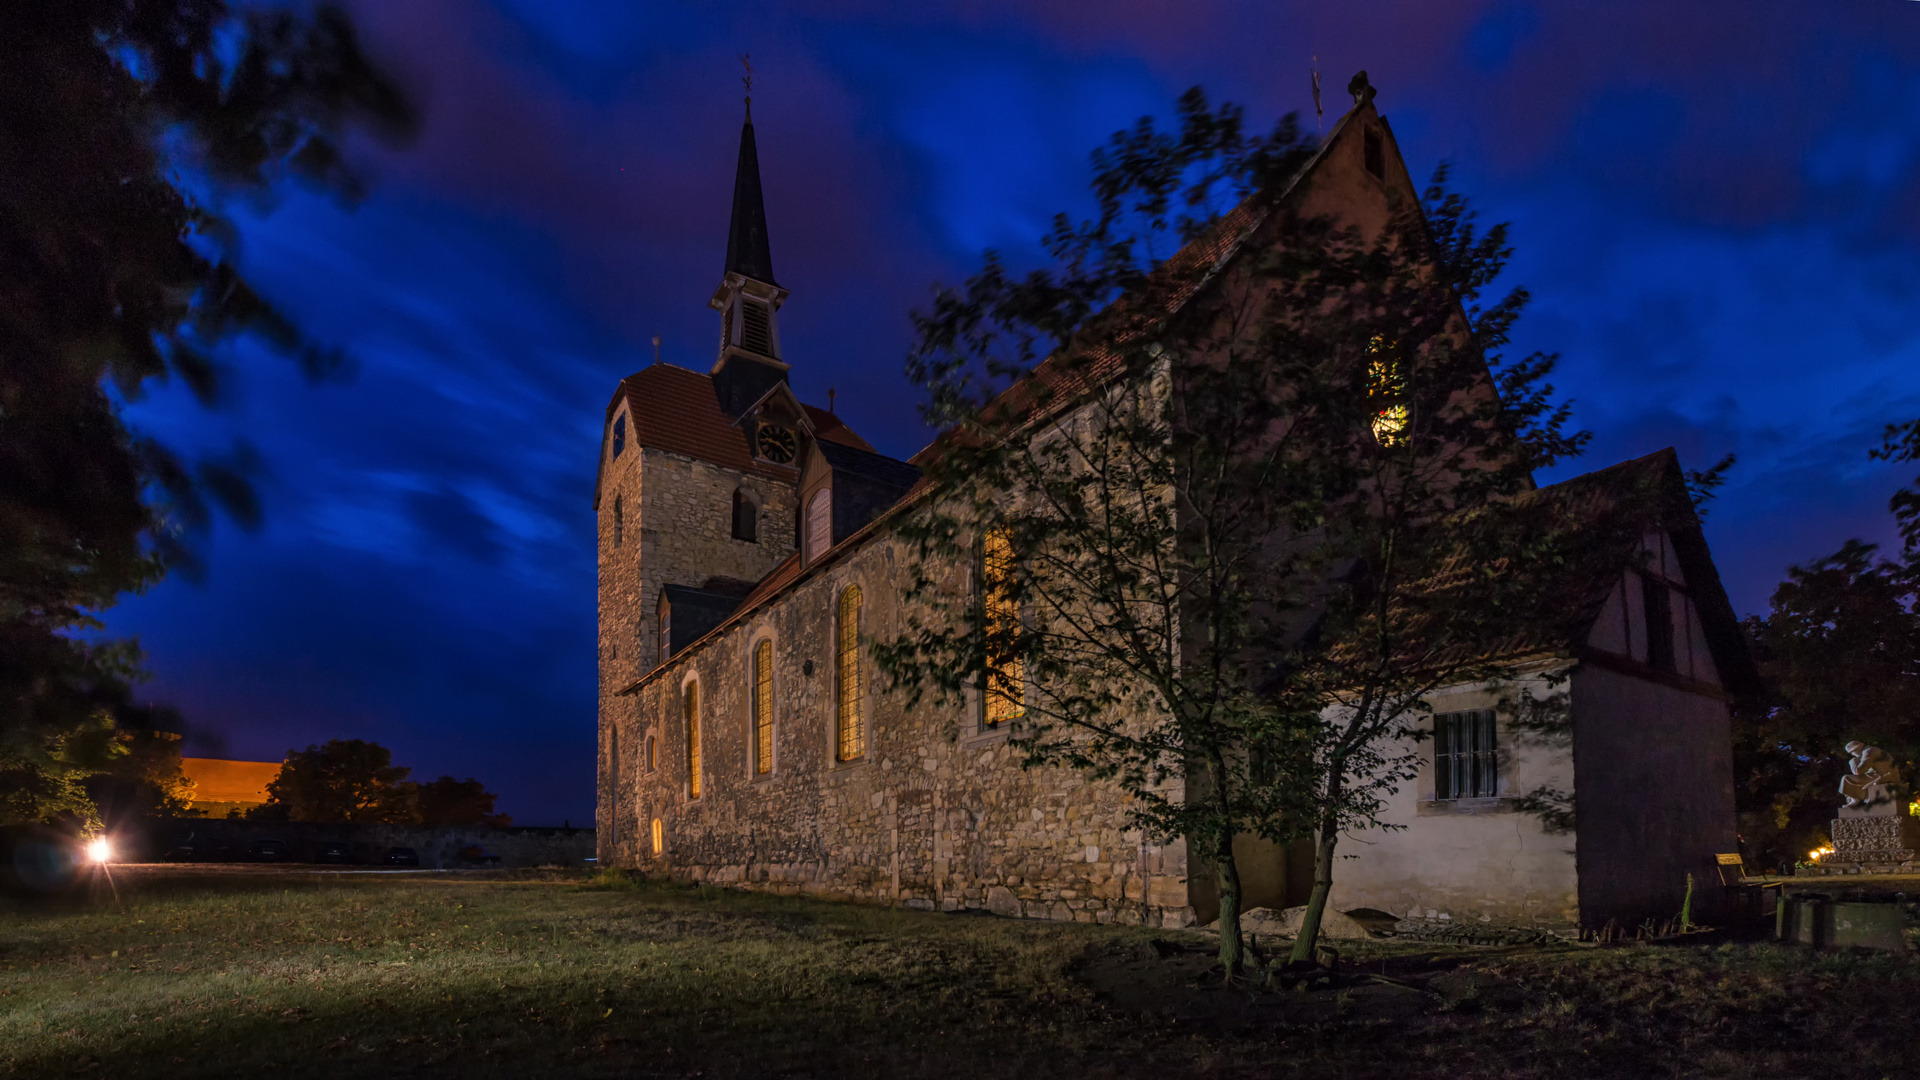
(347,780)
(1261,507)
(127,123)
(447,801)
(1839,655)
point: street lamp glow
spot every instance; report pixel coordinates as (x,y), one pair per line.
(99,850)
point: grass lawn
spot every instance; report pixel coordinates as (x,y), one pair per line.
(505,974)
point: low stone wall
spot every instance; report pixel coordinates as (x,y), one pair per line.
(439,846)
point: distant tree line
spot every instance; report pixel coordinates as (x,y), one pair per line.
(349,781)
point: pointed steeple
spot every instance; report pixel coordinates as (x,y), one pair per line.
(747,251)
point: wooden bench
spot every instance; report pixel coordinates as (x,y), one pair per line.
(1734,880)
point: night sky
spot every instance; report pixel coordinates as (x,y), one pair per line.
(1716,207)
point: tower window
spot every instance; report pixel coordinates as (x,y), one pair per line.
(619,522)
(653,754)
(756,328)
(1006,682)
(693,740)
(851,740)
(659,837)
(763,708)
(746,517)
(619,434)
(819,523)
(1374,150)
(666,630)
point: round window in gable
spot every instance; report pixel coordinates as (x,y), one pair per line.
(776,444)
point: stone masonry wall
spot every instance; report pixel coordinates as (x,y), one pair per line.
(935,814)
(678,531)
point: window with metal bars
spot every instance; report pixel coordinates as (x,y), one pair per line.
(1466,759)
(849,726)
(693,740)
(1006,683)
(763,708)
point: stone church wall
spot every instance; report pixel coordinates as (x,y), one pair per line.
(678,524)
(934,815)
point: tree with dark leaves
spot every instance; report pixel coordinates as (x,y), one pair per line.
(346,781)
(1221,525)
(123,126)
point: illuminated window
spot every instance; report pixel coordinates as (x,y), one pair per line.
(619,521)
(1387,393)
(659,837)
(852,736)
(763,708)
(693,740)
(1006,671)
(1466,763)
(619,434)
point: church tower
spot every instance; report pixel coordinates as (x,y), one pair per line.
(695,497)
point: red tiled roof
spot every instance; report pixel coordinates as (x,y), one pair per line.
(673,408)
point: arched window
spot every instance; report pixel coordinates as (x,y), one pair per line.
(653,755)
(619,434)
(659,836)
(848,723)
(819,523)
(746,517)
(693,740)
(1006,683)
(619,521)
(763,708)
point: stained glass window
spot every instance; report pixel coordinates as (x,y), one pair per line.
(763,708)
(1006,671)
(852,741)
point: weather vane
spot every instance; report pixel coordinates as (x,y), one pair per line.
(747,79)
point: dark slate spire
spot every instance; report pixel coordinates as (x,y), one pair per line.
(747,253)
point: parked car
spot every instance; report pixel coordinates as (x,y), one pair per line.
(402,856)
(337,852)
(269,851)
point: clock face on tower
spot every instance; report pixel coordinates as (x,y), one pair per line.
(775,443)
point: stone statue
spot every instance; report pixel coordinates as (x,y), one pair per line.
(1873,785)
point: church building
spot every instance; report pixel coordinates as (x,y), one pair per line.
(746,567)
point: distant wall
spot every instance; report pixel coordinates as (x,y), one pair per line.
(438,845)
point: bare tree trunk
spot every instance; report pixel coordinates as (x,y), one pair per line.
(1322,871)
(1227,875)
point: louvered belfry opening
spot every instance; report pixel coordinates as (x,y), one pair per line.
(756,328)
